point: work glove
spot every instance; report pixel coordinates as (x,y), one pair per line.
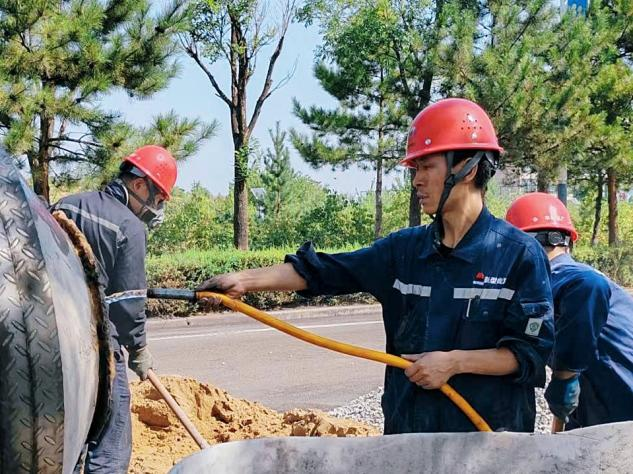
(562,396)
(140,361)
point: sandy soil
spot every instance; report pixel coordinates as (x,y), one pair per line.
(160,441)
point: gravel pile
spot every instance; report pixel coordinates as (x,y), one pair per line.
(366,409)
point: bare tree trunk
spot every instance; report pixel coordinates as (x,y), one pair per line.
(612,194)
(240,209)
(598,210)
(240,196)
(542,183)
(39,162)
(246,36)
(423,99)
(415,219)
(378,219)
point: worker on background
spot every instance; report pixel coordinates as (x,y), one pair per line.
(592,362)
(466,298)
(113,221)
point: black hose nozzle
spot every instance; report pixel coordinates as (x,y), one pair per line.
(172,294)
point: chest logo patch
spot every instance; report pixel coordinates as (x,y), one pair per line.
(481,279)
(533,327)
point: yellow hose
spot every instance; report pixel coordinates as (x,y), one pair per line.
(348,349)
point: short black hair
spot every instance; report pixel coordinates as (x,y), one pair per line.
(485,169)
(126,172)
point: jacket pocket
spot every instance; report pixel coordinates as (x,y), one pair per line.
(480,325)
(411,334)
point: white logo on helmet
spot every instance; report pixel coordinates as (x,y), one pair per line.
(427,141)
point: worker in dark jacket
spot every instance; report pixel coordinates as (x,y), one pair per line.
(592,363)
(466,298)
(113,221)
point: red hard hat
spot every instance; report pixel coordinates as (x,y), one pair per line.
(540,211)
(450,125)
(157,164)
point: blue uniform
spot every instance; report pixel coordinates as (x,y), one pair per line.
(594,336)
(493,290)
(118,240)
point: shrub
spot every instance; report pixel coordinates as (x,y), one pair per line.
(615,262)
(188,269)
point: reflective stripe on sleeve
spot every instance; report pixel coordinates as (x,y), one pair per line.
(411,289)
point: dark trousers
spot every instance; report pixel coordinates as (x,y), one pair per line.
(111,453)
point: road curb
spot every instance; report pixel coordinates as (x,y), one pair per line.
(283,314)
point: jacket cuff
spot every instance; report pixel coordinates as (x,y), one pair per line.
(306,263)
(531,366)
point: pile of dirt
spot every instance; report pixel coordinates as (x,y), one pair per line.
(160,441)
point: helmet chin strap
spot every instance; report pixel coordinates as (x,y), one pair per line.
(148,212)
(449,183)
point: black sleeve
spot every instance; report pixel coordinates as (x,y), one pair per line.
(366,270)
(128,316)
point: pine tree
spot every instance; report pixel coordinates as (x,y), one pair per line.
(366,129)
(60,58)
(410,34)
(556,86)
(277,175)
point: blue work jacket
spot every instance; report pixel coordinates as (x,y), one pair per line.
(119,240)
(493,290)
(594,336)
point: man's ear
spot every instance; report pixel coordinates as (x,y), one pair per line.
(470,177)
(136,184)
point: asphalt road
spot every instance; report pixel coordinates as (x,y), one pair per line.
(252,361)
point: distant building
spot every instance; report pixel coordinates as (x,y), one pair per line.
(580,5)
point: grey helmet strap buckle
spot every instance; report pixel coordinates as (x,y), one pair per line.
(552,238)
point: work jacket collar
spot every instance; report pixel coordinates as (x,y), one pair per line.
(562,259)
(470,246)
(117,189)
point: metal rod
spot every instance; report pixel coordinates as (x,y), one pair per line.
(182,416)
(558,425)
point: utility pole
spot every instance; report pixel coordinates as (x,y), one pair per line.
(561,188)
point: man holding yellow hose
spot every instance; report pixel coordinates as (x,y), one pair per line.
(466,298)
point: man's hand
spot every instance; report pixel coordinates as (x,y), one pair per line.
(562,396)
(229,283)
(140,361)
(430,370)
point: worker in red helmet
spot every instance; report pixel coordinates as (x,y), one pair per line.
(592,362)
(113,222)
(466,299)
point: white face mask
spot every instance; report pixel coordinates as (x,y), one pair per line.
(151,215)
(158,219)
